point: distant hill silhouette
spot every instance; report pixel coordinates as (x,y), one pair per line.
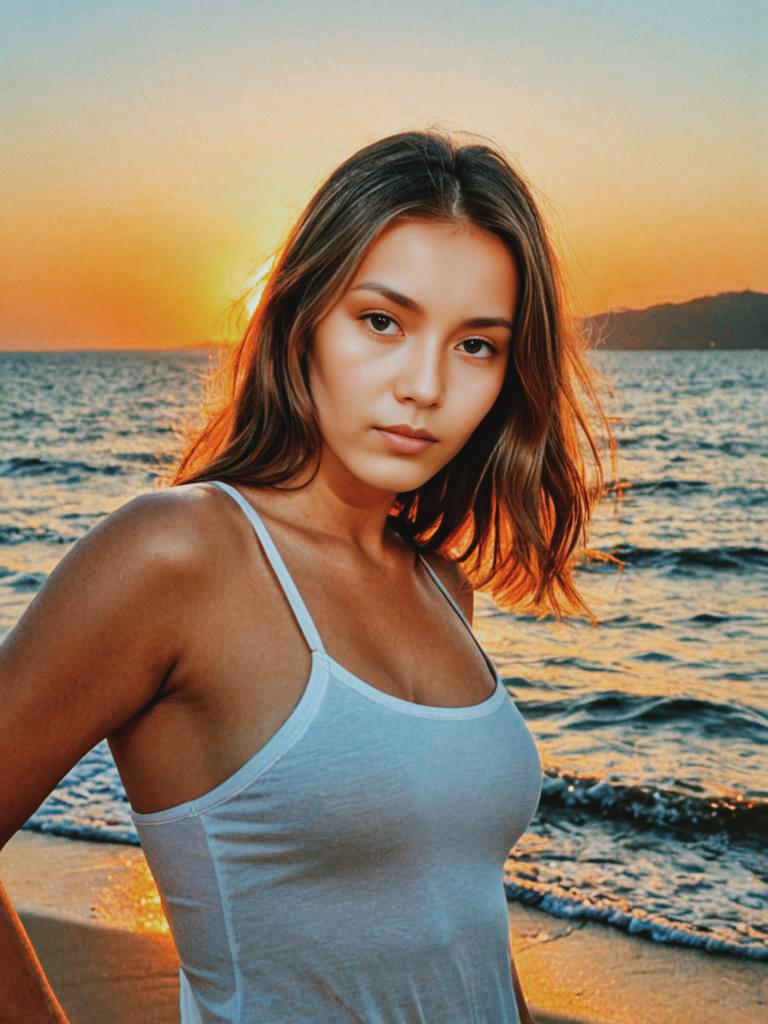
(730,320)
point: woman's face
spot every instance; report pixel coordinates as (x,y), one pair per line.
(410,343)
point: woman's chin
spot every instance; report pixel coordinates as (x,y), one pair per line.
(390,474)
(395,480)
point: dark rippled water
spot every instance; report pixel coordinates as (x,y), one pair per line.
(653,726)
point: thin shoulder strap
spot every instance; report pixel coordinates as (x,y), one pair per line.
(290,589)
(442,587)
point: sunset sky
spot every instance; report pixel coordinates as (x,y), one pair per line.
(153,153)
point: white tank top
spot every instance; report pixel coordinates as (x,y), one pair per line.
(352,869)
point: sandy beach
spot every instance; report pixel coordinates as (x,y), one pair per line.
(93,914)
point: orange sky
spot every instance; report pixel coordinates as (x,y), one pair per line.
(152,158)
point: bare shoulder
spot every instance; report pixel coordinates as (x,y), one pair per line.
(128,562)
(137,572)
(175,531)
(455,579)
(172,521)
(98,640)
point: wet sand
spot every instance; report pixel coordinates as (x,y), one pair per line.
(92,912)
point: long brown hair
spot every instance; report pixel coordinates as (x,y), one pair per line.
(513,505)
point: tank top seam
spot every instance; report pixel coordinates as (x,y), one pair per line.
(299,733)
(232,946)
(348,679)
(200,806)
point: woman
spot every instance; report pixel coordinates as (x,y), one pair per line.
(324,768)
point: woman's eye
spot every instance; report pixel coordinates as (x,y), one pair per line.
(492,350)
(375,321)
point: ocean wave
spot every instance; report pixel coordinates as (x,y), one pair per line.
(662,484)
(101,831)
(10,534)
(744,495)
(682,561)
(617,707)
(70,469)
(24,582)
(148,459)
(607,708)
(656,806)
(635,922)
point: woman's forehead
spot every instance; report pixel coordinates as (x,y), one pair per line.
(425,259)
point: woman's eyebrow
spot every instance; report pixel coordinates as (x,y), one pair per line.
(403,300)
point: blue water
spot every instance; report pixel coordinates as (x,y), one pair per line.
(653,727)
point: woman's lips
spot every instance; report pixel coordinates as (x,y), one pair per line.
(403,443)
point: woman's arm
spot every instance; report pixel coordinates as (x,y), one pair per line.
(24,990)
(91,650)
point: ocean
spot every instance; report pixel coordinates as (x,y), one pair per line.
(652,726)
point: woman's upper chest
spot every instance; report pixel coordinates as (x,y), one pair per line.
(391,627)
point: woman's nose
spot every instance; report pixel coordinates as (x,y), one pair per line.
(420,374)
